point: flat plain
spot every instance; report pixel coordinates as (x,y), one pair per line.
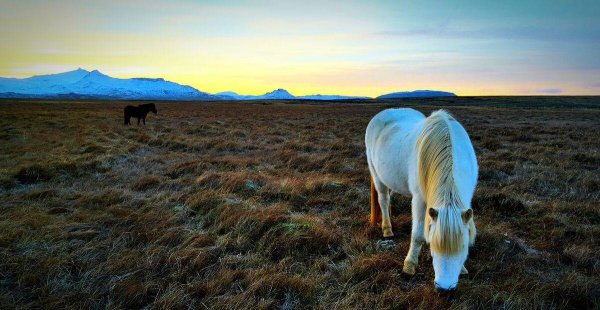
(235,205)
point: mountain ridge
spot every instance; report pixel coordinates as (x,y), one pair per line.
(94,84)
(417,94)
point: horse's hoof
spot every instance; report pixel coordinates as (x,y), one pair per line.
(387,233)
(409,268)
(464,270)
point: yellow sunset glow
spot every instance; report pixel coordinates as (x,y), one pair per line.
(346,48)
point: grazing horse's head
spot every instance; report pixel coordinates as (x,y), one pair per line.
(152,108)
(449,225)
(449,231)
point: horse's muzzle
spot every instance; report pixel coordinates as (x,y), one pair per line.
(440,290)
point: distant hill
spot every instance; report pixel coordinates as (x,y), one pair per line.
(417,94)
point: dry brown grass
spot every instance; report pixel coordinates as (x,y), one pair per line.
(255,205)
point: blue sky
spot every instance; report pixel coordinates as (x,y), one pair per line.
(341,47)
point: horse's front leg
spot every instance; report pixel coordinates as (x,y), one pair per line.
(138,121)
(417,237)
(144,119)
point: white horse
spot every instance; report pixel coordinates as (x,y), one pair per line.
(431,159)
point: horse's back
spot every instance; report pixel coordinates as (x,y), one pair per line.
(398,115)
(390,140)
(390,121)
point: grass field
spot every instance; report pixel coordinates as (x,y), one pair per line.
(265,205)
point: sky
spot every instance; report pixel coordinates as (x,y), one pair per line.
(365,48)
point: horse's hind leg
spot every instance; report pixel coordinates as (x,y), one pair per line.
(138,121)
(417,237)
(375,208)
(383,194)
(144,119)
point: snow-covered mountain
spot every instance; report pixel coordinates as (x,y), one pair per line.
(42,84)
(278,94)
(330,97)
(282,94)
(94,84)
(417,94)
(81,83)
(229,95)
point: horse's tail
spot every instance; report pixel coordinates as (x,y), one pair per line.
(375,209)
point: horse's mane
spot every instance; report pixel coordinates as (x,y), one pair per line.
(436,177)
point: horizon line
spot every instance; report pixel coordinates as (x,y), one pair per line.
(540,93)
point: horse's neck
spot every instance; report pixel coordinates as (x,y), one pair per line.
(465,163)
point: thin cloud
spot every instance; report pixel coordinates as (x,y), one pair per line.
(55,51)
(107,69)
(549,91)
(43,69)
(50,50)
(593,85)
(506,33)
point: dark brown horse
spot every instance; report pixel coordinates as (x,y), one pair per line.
(138,112)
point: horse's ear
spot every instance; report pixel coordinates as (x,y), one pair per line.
(467,215)
(433,213)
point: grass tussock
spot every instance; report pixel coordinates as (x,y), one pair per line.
(265,206)
(146,182)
